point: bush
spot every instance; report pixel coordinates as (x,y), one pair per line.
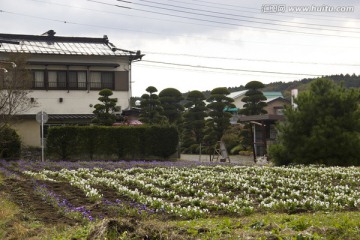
(63,142)
(323,129)
(277,154)
(161,141)
(10,144)
(89,140)
(124,142)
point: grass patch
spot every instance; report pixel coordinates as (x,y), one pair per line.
(332,225)
(15,223)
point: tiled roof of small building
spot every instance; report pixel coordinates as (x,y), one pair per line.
(237,94)
(270,95)
(48,43)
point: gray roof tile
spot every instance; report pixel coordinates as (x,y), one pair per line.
(58,45)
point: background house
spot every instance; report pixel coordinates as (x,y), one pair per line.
(275,104)
(67,75)
(263,126)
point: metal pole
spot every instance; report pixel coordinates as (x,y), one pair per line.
(42,135)
(200,154)
(252,131)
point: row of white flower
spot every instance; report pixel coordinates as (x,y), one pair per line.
(198,191)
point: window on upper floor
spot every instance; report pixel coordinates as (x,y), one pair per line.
(101,80)
(77,80)
(39,79)
(57,79)
(52,79)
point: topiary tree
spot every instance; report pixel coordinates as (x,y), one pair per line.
(104,111)
(218,101)
(194,121)
(324,129)
(170,101)
(254,99)
(151,110)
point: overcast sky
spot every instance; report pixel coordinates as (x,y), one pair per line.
(203,44)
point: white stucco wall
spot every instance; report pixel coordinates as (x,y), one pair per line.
(74,101)
(29,132)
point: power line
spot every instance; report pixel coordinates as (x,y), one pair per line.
(225,23)
(231,69)
(129,15)
(158,33)
(200,56)
(232,6)
(76,23)
(250,59)
(206,70)
(249,17)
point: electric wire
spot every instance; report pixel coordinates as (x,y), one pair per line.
(232,6)
(231,69)
(158,33)
(251,59)
(225,23)
(208,70)
(71,51)
(249,17)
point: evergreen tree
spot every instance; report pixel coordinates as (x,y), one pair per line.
(194,121)
(220,120)
(254,99)
(324,129)
(254,105)
(104,111)
(151,110)
(170,101)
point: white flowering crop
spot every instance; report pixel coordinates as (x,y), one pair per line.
(202,190)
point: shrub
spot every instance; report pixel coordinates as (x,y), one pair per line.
(124,142)
(10,144)
(277,154)
(63,142)
(89,140)
(161,141)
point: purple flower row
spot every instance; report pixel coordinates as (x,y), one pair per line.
(22,165)
(61,203)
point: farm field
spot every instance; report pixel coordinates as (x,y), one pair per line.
(177,200)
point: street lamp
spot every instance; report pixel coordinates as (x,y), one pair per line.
(4,69)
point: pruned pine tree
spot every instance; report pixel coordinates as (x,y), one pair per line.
(218,101)
(170,99)
(104,111)
(254,99)
(194,122)
(151,110)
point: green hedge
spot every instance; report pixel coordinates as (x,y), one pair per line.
(10,144)
(100,142)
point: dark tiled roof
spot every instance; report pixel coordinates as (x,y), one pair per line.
(50,44)
(61,116)
(265,117)
(71,116)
